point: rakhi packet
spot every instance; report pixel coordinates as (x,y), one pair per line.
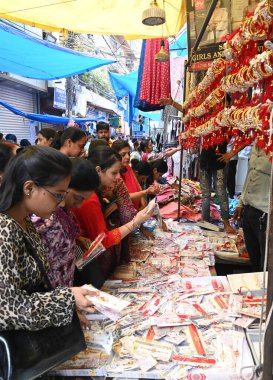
(235,304)
(244,321)
(159,351)
(170,320)
(177,372)
(195,340)
(149,308)
(194,361)
(94,251)
(107,304)
(145,364)
(120,365)
(176,336)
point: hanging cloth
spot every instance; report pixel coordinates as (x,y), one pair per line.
(153,77)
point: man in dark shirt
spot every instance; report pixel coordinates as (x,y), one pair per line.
(213,172)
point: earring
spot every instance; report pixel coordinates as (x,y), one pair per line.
(27,194)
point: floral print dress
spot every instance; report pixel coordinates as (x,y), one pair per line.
(59,234)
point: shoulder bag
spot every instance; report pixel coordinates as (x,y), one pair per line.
(26,355)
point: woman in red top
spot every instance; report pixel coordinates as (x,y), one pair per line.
(147,148)
(137,195)
(92,213)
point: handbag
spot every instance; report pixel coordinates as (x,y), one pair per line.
(26,355)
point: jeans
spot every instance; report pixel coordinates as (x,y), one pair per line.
(254,227)
(219,180)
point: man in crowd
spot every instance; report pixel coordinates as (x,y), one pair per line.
(10,137)
(103,132)
(212,171)
(253,206)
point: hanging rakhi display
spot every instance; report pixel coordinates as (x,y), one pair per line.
(244,123)
(253,28)
(247,115)
(260,67)
(211,80)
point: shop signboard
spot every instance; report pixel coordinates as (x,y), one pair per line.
(59,98)
(205,55)
(138,134)
(136,127)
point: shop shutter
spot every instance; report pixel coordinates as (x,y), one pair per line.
(11,123)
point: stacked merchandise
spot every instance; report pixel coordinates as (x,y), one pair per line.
(167,318)
(190,209)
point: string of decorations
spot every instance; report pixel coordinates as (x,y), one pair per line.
(247,116)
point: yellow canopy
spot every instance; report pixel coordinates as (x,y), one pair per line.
(118,17)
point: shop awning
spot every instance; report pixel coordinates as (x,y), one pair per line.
(31,57)
(51,119)
(118,17)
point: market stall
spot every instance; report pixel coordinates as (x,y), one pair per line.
(169,318)
(165,315)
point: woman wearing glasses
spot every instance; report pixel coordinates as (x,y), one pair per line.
(60,231)
(34,182)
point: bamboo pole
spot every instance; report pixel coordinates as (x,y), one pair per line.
(182,149)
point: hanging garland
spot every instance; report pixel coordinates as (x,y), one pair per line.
(243,68)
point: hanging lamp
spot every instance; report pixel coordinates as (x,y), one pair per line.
(162,56)
(153,15)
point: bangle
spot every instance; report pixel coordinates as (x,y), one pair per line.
(135,225)
(128,228)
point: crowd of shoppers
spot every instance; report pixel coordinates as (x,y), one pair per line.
(66,189)
(52,195)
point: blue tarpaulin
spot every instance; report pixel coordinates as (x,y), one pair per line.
(31,57)
(179,45)
(51,119)
(125,85)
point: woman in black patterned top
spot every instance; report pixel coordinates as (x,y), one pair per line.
(34,181)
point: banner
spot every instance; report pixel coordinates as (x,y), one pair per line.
(59,98)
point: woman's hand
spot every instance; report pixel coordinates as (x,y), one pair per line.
(166,101)
(153,190)
(225,157)
(82,303)
(171,151)
(142,216)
